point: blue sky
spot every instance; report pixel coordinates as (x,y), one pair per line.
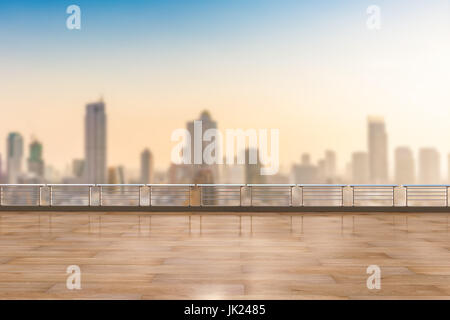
(305,67)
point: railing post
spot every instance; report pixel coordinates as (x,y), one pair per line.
(100,196)
(290,203)
(251,196)
(406,195)
(190,193)
(342,196)
(393,196)
(353,195)
(446,196)
(139,197)
(90,196)
(240,196)
(40,195)
(201,195)
(303,196)
(51,195)
(150,196)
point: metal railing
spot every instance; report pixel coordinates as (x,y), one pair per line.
(225,195)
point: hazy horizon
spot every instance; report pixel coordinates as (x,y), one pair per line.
(314,71)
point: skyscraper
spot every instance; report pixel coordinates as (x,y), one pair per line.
(404,166)
(448,164)
(378,158)
(14,157)
(35,162)
(360,168)
(78,168)
(305,172)
(253,170)
(330,166)
(1,169)
(429,166)
(199,169)
(146,167)
(95,143)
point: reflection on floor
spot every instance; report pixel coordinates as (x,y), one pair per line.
(266,256)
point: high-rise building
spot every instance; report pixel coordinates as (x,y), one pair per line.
(378,157)
(360,168)
(95,143)
(78,168)
(253,170)
(116,175)
(35,161)
(146,167)
(305,172)
(1,169)
(199,169)
(14,157)
(330,166)
(404,166)
(113,175)
(321,171)
(429,166)
(448,164)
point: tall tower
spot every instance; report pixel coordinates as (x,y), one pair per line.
(1,170)
(448,166)
(429,166)
(330,166)
(305,172)
(146,167)
(404,166)
(95,143)
(199,170)
(14,157)
(360,168)
(253,170)
(35,162)
(378,158)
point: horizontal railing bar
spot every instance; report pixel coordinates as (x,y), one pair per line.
(120,185)
(170,185)
(374,185)
(69,185)
(220,185)
(22,185)
(321,185)
(425,185)
(270,185)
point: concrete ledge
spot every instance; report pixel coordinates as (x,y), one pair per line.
(213,209)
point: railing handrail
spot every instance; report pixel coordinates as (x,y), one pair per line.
(215,185)
(68,185)
(221,194)
(321,185)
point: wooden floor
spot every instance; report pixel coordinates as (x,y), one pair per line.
(183,256)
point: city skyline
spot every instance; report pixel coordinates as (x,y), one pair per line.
(307,69)
(407,168)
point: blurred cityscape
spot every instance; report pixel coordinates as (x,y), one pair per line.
(366,166)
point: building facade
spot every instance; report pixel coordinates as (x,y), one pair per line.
(14,157)
(378,156)
(146,167)
(95,143)
(404,166)
(429,166)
